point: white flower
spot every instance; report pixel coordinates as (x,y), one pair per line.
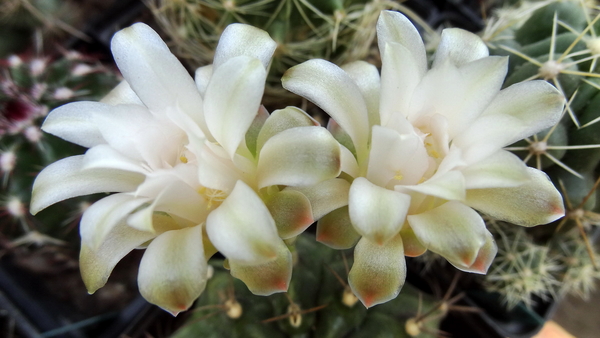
(424,149)
(176,154)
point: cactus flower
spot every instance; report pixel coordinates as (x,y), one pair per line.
(423,149)
(183,161)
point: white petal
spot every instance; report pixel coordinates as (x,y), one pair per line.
(376,213)
(74,122)
(282,119)
(202,78)
(217,172)
(459,47)
(325,196)
(154,73)
(299,156)
(500,170)
(240,39)
(173,270)
(349,164)
(366,77)
(65,179)
(232,100)
(122,94)
(452,230)
(533,203)
(105,157)
(448,186)
(242,228)
(330,88)
(101,217)
(395,27)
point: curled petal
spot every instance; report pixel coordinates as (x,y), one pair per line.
(376,213)
(378,272)
(459,47)
(240,39)
(65,179)
(535,202)
(452,230)
(484,259)
(336,231)
(281,120)
(330,88)
(326,196)
(291,211)
(242,228)
(104,156)
(167,280)
(74,122)
(299,156)
(232,100)
(267,278)
(96,265)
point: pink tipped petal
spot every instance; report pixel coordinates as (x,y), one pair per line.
(376,213)
(326,196)
(154,73)
(173,270)
(459,47)
(412,245)
(74,122)
(393,27)
(452,230)
(281,120)
(96,265)
(378,272)
(500,170)
(101,217)
(232,100)
(332,89)
(65,179)
(267,278)
(242,228)
(366,77)
(122,94)
(299,156)
(291,211)
(484,259)
(244,40)
(533,203)
(336,231)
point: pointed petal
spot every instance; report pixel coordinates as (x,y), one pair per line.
(452,230)
(376,213)
(65,179)
(122,94)
(500,170)
(336,231)
(459,47)
(393,27)
(330,88)
(240,39)
(74,122)
(281,120)
(167,280)
(484,259)
(105,157)
(101,217)
(291,211)
(242,228)
(378,272)
(232,100)
(154,73)
(412,245)
(202,78)
(267,278)
(448,186)
(533,203)
(366,77)
(96,265)
(325,196)
(299,156)
(515,113)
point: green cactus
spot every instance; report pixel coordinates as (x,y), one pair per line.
(554,41)
(317,304)
(30,88)
(338,30)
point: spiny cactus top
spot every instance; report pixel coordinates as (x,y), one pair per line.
(193,166)
(425,149)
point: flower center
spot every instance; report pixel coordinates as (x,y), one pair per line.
(214,196)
